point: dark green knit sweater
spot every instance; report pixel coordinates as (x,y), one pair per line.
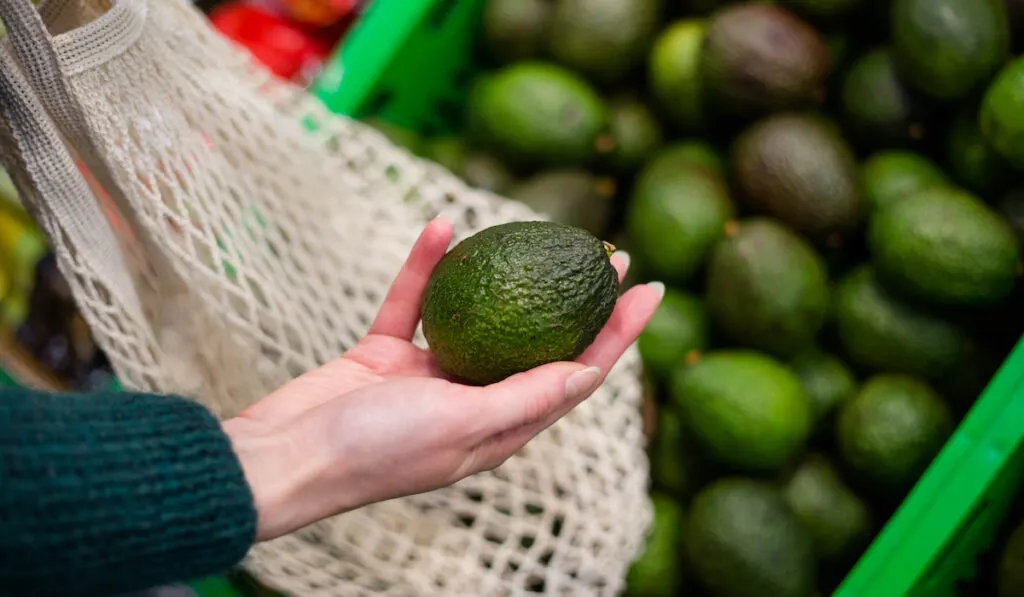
(101,494)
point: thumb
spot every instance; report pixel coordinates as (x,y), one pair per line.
(532,396)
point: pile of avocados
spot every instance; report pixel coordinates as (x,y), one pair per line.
(833,192)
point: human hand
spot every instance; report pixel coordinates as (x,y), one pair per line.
(382,421)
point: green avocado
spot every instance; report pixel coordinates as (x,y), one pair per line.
(570,196)
(883,332)
(767,288)
(516,296)
(745,409)
(741,539)
(947,49)
(945,246)
(536,114)
(514,30)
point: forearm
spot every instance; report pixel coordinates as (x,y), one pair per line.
(103,494)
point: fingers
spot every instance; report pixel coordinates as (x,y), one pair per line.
(400,312)
(620,261)
(631,314)
(530,397)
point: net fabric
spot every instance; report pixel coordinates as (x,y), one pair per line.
(258,234)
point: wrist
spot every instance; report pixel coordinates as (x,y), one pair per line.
(280,477)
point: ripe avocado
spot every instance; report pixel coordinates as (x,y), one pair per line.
(536,114)
(948,48)
(890,175)
(745,409)
(838,521)
(634,132)
(767,288)
(674,73)
(515,296)
(602,39)
(891,430)
(945,246)
(826,379)
(883,332)
(759,58)
(675,217)
(877,106)
(741,539)
(1000,113)
(514,30)
(657,573)
(799,169)
(972,161)
(570,196)
(679,329)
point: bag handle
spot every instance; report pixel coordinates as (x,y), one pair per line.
(40,164)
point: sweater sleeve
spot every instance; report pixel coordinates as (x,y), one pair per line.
(101,494)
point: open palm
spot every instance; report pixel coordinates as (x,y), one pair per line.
(383,421)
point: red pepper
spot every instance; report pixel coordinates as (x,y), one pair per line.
(286,48)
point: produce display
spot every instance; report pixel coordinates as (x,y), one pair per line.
(833,191)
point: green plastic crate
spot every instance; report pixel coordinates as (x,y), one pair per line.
(410,61)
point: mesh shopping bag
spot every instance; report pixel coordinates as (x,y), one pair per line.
(222,232)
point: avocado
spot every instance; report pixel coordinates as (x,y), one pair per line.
(1000,120)
(767,288)
(673,72)
(1012,208)
(760,58)
(838,521)
(822,9)
(881,331)
(634,132)
(515,296)
(876,105)
(826,379)
(890,175)
(675,467)
(945,246)
(678,330)
(745,409)
(536,114)
(891,430)
(484,171)
(691,153)
(570,196)
(741,539)
(1010,567)
(515,30)
(602,39)
(657,572)
(674,218)
(972,161)
(799,169)
(947,49)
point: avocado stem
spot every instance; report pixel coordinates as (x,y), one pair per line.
(608,248)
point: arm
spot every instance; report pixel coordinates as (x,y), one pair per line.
(106,493)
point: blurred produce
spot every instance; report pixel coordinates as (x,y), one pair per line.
(833,191)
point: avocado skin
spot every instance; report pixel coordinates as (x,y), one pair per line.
(516,296)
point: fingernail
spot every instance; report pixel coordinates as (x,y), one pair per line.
(624,258)
(658,287)
(581,382)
